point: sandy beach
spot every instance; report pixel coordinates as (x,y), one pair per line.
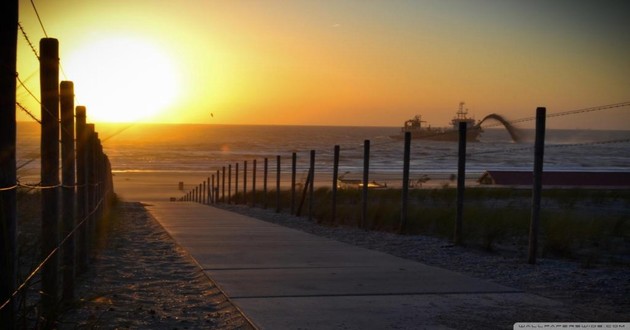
(141,279)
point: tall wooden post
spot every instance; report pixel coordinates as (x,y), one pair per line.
(216,194)
(311,181)
(66,104)
(90,182)
(245,182)
(366,172)
(461,181)
(293,176)
(405,184)
(254,183)
(211,188)
(82,198)
(49,82)
(203,192)
(335,178)
(99,178)
(8,177)
(539,151)
(223,184)
(265,173)
(236,183)
(208,191)
(229,183)
(278,184)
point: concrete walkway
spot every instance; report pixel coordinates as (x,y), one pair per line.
(287,279)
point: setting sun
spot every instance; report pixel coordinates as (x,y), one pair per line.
(123,79)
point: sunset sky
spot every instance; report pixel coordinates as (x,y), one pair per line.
(356,63)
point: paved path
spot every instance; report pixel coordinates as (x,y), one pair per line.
(287,279)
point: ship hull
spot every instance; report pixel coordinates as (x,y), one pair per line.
(472,134)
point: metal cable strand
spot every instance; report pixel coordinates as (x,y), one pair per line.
(28,112)
(39,18)
(28,40)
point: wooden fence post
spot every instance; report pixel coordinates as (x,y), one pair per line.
(254,183)
(245,182)
(90,183)
(307,185)
(208,191)
(293,176)
(229,183)
(461,182)
(49,82)
(204,191)
(364,195)
(311,193)
(8,173)
(102,181)
(236,183)
(216,188)
(99,178)
(265,173)
(223,184)
(278,184)
(539,150)
(405,184)
(212,197)
(335,178)
(66,102)
(82,198)
(109,182)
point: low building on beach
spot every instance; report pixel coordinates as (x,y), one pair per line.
(558,179)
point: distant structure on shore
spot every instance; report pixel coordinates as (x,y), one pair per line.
(473,130)
(558,179)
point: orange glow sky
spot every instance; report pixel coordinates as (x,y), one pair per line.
(357,63)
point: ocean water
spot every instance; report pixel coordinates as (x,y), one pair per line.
(206,148)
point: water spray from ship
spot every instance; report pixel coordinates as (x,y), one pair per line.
(513,131)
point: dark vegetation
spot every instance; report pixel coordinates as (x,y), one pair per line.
(589,225)
(30,256)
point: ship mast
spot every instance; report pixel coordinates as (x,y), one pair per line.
(461,112)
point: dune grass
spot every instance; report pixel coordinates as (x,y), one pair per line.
(589,225)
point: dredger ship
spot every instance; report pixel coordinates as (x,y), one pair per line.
(419,131)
